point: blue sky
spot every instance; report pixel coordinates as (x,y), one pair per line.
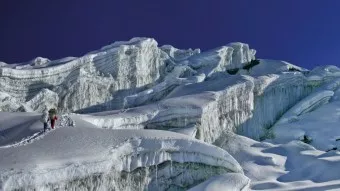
(303,32)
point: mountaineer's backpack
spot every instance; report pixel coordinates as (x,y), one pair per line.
(52,113)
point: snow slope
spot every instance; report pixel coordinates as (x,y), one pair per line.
(161,118)
(292,165)
(70,153)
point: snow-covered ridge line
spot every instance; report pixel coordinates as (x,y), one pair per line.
(45,72)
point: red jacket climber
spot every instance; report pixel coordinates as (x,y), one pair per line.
(53,121)
(53,116)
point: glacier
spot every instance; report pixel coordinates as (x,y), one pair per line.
(47,160)
(161,118)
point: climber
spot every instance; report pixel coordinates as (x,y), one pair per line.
(45,118)
(53,116)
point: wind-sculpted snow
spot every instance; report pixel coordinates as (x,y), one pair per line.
(58,160)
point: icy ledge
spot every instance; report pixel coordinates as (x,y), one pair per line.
(57,158)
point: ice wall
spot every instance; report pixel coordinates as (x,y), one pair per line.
(98,77)
(121,75)
(272,102)
(249,106)
(166,176)
(171,85)
(241,54)
(132,65)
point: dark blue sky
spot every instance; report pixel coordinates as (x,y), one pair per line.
(304,32)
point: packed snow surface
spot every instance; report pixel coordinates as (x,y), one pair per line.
(75,152)
(136,116)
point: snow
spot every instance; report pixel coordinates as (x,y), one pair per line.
(58,153)
(321,125)
(284,166)
(178,54)
(161,118)
(230,181)
(241,53)
(272,67)
(191,130)
(307,104)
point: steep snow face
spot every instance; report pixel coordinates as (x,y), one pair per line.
(272,101)
(234,55)
(92,79)
(249,106)
(239,104)
(99,155)
(132,65)
(120,75)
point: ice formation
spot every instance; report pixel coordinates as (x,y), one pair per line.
(48,159)
(132,109)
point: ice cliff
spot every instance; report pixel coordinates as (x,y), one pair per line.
(126,91)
